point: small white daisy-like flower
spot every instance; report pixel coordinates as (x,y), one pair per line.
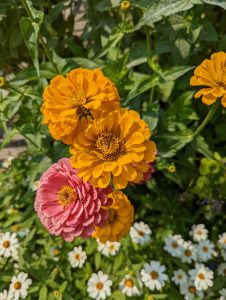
(35,185)
(223,254)
(174,245)
(8,244)
(188,252)
(205,250)
(140,233)
(129,288)
(221,270)
(153,275)
(202,277)
(189,291)
(199,232)
(179,277)
(19,286)
(4,295)
(222,240)
(77,257)
(222,292)
(7,162)
(99,286)
(109,248)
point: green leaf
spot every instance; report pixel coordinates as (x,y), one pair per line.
(118,295)
(176,72)
(221,3)
(162,9)
(97,260)
(30,32)
(43,293)
(111,42)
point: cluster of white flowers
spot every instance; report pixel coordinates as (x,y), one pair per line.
(109,248)
(9,245)
(18,287)
(140,233)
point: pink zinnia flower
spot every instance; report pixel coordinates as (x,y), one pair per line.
(67,206)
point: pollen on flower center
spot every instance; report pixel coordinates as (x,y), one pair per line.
(77,257)
(6,244)
(99,285)
(192,289)
(154,275)
(201,276)
(205,249)
(17,285)
(188,253)
(109,146)
(221,79)
(66,195)
(141,233)
(112,247)
(83,112)
(174,245)
(129,283)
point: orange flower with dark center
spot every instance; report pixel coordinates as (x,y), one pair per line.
(116,148)
(211,74)
(121,217)
(71,103)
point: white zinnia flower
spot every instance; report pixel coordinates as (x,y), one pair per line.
(153,275)
(77,257)
(205,250)
(199,232)
(222,240)
(179,277)
(109,248)
(221,270)
(189,291)
(19,286)
(8,244)
(129,288)
(140,233)
(7,162)
(99,286)
(202,277)
(222,292)
(223,253)
(188,252)
(4,295)
(173,245)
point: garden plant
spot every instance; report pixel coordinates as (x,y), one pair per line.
(120,190)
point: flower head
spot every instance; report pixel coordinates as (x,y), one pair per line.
(199,232)
(174,245)
(121,216)
(67,206)
(188,252)
(77,257)
(211,74)
(129,287)
(71,103)
(222,240)
(99,286)
(125,5)
(4,295)
(19,286)
(108,248)
(221,270)
(189,290)
(153,275)
(205,250)
(140,233)
(8,245)
(179,277)
(7,162)
(202,277)
(115,147)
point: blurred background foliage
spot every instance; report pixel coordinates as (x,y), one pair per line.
(150,52)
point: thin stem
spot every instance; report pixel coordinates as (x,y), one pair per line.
(15,89)
(207,118)
(41,38)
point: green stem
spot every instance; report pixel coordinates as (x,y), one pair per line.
(15,89)
(41,38)
(207,118)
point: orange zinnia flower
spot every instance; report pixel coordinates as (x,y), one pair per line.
(115,147)
(121,217)
(71,102)
(212,74)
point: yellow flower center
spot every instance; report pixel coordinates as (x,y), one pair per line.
(187,253)
(141,233)
(2,82)
(201,276)
(224,241)
(112,215)
(174,245)
(180,276)
(221,79)
(199,232)
(154,275)
(99,285)
(125,5)
(129,283)
(17,285)
(205,249)
(6,244)
(83,112)
(56,252)
(77,256)
(192,289)
(66,195)
(112,247)
(109,146)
